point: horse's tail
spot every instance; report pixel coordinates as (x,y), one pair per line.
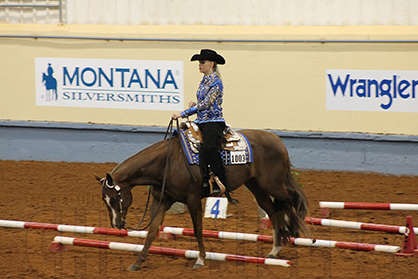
(299,200)
(294,209)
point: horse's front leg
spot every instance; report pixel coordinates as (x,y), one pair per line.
(152,231)
(195,208)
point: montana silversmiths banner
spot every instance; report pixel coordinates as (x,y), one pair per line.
(104,83)
(365,90)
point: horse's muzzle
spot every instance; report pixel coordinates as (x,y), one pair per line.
(119,222)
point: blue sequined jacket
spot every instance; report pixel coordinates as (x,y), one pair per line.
(209,101)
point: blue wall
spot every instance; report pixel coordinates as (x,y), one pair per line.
(70,142)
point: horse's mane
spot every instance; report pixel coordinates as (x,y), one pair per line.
(149,152)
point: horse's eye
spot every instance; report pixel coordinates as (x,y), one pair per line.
(111,201)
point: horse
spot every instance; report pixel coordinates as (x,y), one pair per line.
(163,165)
(51,87)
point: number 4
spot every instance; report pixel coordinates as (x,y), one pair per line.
(215,209)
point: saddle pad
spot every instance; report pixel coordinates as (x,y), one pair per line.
(228,157)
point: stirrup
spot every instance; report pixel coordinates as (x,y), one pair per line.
(213,191)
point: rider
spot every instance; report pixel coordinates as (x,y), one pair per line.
(209,117)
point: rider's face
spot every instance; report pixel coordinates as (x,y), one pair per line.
(206,67)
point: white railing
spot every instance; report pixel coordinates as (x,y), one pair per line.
(213,12)
(36,12)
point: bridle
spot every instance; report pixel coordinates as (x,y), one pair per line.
(117,189)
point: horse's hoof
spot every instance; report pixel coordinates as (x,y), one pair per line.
(199,262)
(196,265)
(270,257)
(133,268)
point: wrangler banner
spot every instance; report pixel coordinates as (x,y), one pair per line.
(365,90)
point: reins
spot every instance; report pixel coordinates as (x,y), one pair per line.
(170,132)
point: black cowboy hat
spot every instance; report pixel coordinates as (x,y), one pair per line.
(208,54)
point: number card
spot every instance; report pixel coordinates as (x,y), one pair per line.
(216,207)
(237,157)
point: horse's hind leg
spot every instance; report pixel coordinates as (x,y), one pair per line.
(266,203)
(152,231)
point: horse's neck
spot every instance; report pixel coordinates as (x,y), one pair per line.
(143,168)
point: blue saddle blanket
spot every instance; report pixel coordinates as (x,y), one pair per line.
(228,157)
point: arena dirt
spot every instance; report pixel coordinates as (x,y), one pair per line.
(67,193)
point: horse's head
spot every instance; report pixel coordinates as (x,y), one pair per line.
(117,199)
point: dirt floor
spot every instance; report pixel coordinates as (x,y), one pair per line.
(67,193)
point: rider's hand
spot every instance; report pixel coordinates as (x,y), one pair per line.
(176,115)
(192,104)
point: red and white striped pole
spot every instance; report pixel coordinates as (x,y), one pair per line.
(367,206)
(70,228)
(142,234)
(345,245)
(168,251)
(221,234)
(358,225)
(295,241)
(370,206)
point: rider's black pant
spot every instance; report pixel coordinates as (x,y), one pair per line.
(212,133)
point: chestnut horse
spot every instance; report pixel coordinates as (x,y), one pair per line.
(268,177)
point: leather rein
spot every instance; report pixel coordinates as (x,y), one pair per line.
(170,133)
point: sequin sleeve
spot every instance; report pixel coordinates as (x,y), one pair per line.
(188,112)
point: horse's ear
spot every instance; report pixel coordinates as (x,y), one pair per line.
(109,179)
(98,178)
